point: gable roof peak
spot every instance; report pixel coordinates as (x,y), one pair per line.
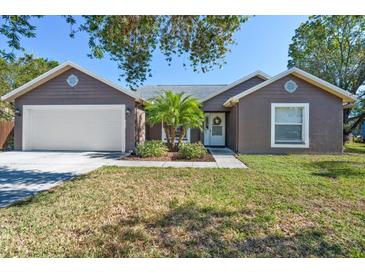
(257,73)
(306,76)
(54,72)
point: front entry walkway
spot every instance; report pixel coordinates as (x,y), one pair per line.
(224,158)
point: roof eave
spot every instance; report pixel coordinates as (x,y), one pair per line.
(344,95)
(262,75)
(12,95)
(257,73)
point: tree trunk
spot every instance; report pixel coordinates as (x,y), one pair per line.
(173,137)
(358,122)
(168,137)
(170,132)
(182,136)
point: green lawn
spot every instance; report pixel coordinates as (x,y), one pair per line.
(282,206)
(355,147)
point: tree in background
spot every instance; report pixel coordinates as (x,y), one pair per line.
(17,72)
(174,111)
(131,40)
(13,28)
(333,48)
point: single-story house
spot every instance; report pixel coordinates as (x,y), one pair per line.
(71,108)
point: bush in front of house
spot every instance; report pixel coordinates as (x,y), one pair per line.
(151,149)
(192,151)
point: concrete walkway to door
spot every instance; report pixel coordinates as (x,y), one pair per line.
(224,158)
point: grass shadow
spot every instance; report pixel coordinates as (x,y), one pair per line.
(191,231)
(335,169)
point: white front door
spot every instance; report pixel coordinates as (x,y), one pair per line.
(215,129)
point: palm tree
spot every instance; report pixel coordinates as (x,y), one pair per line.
(174,110)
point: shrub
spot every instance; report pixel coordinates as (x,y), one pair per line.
(192,151)
(151,149)
(358,139)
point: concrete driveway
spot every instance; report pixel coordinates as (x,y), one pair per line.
(25,173)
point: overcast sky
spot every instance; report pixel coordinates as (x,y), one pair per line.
(262,43)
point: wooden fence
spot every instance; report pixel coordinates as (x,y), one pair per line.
(6,129)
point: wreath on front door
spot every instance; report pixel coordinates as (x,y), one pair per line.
(217,121)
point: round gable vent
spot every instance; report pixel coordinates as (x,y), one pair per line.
(72,80)
(290,86)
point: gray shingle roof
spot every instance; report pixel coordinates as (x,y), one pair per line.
(198,91)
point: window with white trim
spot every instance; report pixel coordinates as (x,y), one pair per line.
(186,139)
(290,125)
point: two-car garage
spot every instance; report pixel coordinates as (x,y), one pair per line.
(74,127)
(71,109)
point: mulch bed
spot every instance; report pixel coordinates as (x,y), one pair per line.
(170,156)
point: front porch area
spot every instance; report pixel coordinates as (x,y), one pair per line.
(214,132)
(218,130)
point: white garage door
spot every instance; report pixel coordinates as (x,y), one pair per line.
(74,127)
